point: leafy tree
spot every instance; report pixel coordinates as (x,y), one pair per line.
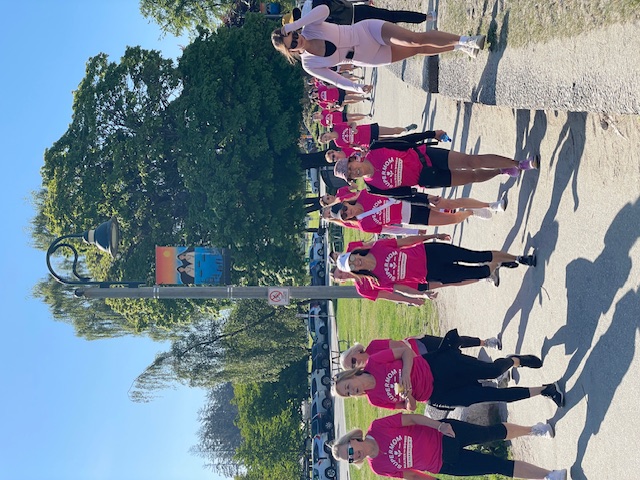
(175,16)
(238,149)
(200,155)
(253,344)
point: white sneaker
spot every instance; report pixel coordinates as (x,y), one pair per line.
(494,343)
(499,206)
(557,475)
(543,430)
(432,16)
(506,377)
(477,41)
(472,52)
(483,213)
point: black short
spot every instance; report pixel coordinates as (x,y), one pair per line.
(341,95)
(438,175)
(419,215)
(375,132)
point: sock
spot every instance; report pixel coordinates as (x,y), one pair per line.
(464,39)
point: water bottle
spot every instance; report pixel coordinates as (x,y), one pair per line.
(445,138)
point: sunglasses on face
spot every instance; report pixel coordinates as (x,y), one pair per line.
(350,453)
(294,40)
(353,362)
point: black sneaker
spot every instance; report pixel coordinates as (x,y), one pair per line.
(413,126)
(529,361)
(529,260)
(509,264)
(555,393)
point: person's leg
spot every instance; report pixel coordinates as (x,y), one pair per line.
(454,203)
(459,160)
(399,52)
(476,393)
(461,369)
(465,177)
(393,34)
(502,257)
(364,12)
(390,131)
(437,218)
(313,160)
(355,117)
(446,253)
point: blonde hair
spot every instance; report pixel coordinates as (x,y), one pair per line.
(355,434)
(277,39)
(355,348)
(343,376)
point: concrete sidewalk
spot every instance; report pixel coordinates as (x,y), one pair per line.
(581,214)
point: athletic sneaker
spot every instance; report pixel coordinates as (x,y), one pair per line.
(529,361)
(413,126)
(512,172)
(555,393)
(557,475)
(499,206)
(506,376)
(494,343)
(495,277)
(432,16)
(531,163)
(472,52)
(510,264)
(482,213)
(543,430)
(529,260)
(477,41)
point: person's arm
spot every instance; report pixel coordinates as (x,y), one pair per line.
(410,419)
(398,298)
(399,192)
(317,14)
(410,292)
(406,355)
(415,239)
(329,76)
(416,475)
(395,230)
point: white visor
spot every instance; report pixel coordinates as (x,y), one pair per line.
(343,262)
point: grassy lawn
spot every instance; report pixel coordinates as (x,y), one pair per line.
(362,321)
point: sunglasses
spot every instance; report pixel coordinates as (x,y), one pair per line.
(294,40)
(353,362)
(350,453)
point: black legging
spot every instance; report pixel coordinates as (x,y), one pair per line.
(364,12)
(461,462)
(455,380)
(443,266)
(312,204)
(432,343)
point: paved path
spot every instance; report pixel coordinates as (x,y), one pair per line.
(581,213)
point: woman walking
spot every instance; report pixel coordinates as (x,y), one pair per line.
(330,117)
(360,137)
(321,45)
(406,445)
(410,267)
(397,378)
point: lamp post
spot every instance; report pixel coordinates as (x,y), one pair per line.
(107,236)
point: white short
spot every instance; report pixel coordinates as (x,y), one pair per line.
(372,51)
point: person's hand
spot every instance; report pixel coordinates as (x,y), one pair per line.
(405,381)
(439,134)
(367,88)
(410,403)
(431,295)
(434,199)
(446,429)
(443,236)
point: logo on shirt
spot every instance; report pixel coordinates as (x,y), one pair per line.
(395,266)
(323,96)
(392,172)
(383,217)
(347,136)
(400,452)
(390,381)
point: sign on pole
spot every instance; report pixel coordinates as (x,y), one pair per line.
(278,296)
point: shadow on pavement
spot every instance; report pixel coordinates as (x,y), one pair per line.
(567,154)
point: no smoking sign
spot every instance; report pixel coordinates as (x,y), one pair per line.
(278,296)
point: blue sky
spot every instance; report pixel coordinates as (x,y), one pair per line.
(64,408)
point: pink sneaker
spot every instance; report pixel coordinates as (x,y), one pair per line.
(512,172)
(531,163)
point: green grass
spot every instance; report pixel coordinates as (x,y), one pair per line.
(362,321)
(531,21)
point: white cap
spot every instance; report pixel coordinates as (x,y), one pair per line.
(343,262)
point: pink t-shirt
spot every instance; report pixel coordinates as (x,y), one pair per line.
(380,344)
(344,193)
(330,118)
(406,266)
(387,216)
(387,371)
(415,447)
(395,168)
(364,287)
(347,137)
(328,94)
